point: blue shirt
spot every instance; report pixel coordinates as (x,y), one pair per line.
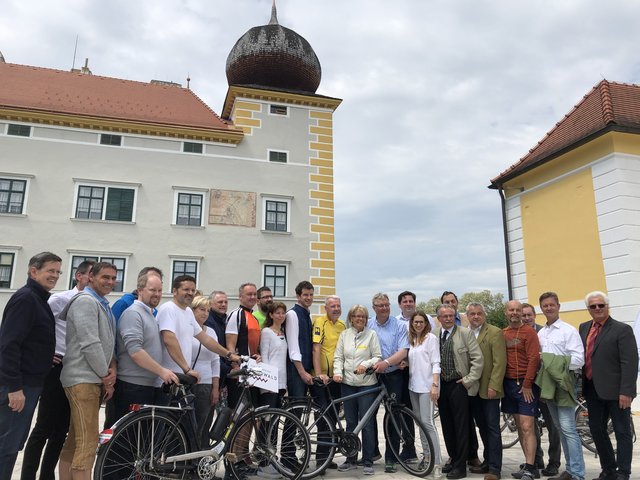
(392,335)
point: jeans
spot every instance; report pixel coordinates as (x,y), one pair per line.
(599,412)
(393,382)
(49,432)
(354,411)
(423,408)
(554,439)
(14,427)
(127,393)
(321,397)
(487,416)
(564,418)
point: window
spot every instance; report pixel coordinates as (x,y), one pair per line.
(278,110)
(191,147)
(109,139)
(184,267)
(105,203)
(276,216)
(275,277)
(6,269)
(278,157)
(12,195)
(119,262)
(19,130)
(189,211)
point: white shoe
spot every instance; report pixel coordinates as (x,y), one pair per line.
(437,471)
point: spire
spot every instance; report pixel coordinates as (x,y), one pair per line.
(274,14)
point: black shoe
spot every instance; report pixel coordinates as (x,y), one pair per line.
(332,466)
(606,475)
(453,474)
(535,473)
(563,476)
(447,467)
(550,471)
(482,468)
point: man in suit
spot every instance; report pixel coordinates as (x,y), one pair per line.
(461,365)
(609,384)
(485,406)
(529,318)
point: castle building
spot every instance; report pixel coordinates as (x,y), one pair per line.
(138,174)
(571,207)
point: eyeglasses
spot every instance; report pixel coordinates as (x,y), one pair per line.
(598,306)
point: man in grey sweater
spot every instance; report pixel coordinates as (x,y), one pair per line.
(89,370)
(140,373)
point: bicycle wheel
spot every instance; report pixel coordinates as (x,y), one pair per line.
(398,423)
(323,444)
(270,437)
(508,431)
(138,447)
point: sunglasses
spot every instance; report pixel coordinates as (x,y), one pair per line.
(597,305)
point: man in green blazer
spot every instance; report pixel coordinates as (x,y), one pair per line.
(485,407)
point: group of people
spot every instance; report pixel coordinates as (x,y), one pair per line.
(72,350)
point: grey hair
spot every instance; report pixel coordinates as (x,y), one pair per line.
(216,292)
(443,306)
(594,294)
(380,296)
(331,297)
(476,304)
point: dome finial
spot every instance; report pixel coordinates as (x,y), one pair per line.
(274,14)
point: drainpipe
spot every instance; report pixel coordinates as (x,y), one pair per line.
(503,204)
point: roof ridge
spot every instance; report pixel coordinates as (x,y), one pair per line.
(79,74)
(607,104)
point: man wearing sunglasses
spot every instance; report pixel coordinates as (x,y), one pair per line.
(609,384)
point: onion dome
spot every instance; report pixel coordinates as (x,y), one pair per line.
(274,56)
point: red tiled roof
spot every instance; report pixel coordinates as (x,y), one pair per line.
(57,91)
(608,104)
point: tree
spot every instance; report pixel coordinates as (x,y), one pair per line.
(493,304)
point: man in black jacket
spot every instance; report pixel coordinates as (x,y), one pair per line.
(27,346)
(609,384)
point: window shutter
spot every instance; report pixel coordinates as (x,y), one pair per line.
(120,204)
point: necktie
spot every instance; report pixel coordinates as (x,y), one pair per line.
(591,341)
(445,334)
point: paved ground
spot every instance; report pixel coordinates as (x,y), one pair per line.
(511,461)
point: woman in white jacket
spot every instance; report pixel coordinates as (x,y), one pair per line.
(424,376)
(358,348)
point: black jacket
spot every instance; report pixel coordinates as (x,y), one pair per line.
(27,338)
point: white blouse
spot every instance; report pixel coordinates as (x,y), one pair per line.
(424,361)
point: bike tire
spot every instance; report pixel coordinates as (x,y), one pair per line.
(269,437)
(310,416)
(399,420)
(508,431)
(127,454)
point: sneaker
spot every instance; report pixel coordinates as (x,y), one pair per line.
(534,473)
(346,466)
(389,467)
(526,475)
(368,470)
(268,472)
(408,457)
(566,476)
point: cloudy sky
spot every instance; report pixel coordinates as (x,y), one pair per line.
(439,97)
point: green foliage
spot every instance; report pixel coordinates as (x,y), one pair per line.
(493,304)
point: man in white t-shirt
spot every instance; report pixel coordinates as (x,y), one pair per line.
(178,326)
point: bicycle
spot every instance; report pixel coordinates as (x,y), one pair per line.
(509,430)
(335,439)
(154,441)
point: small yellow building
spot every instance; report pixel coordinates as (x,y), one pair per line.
(571,207)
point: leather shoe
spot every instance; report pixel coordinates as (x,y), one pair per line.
(606,475)
(549,471)
(563,476)
(453,474)
(447,467)
(482,468)
(474,463)
(492,476)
